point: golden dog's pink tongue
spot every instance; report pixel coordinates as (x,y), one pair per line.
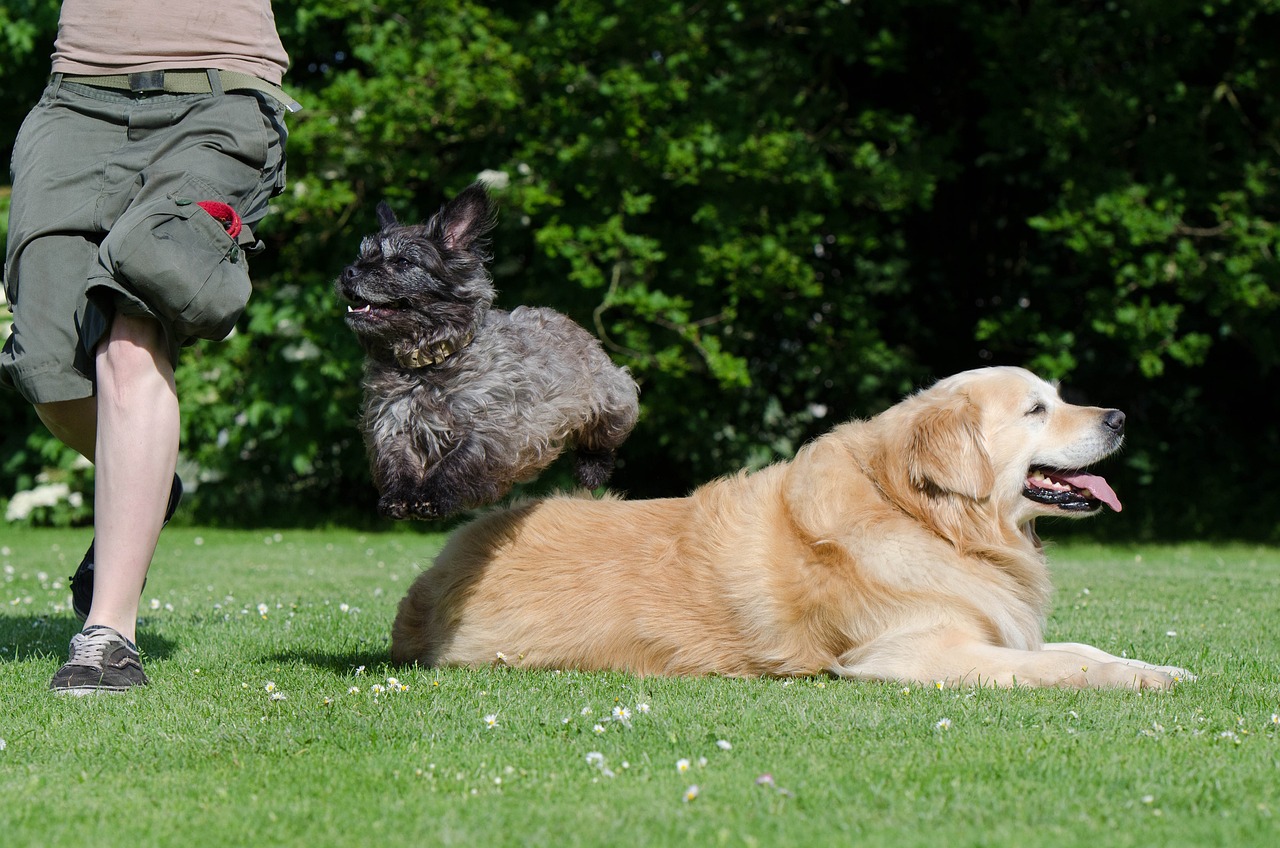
(1097,487)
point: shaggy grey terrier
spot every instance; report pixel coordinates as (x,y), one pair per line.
(462,401)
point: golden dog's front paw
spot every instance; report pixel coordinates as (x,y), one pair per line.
(1125,676)
(1179,675)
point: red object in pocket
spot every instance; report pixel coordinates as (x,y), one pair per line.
(224,214)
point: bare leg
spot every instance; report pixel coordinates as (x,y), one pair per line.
(136,451)
(73,422)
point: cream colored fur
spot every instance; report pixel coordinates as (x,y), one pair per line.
(898,548)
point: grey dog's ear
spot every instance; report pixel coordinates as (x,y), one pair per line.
(386,217)
(464,221)
(945,449)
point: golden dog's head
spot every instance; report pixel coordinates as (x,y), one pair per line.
(1004,437)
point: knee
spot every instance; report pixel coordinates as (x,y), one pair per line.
(135,348)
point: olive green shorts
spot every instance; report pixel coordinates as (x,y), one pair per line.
(104,220)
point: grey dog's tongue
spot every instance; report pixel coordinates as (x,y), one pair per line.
(1096,485)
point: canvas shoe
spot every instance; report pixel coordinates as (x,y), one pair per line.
(82,580)
(101,661)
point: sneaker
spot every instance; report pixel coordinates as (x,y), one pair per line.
(82,580)
(101,661)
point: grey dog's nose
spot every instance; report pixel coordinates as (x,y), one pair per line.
(1113,419)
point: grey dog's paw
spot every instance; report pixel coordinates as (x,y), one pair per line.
(393,507)
(594,468)
(400,508)
(401,505)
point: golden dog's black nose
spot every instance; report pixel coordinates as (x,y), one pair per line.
(1113,419)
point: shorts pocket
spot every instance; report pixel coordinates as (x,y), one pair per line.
(178,260)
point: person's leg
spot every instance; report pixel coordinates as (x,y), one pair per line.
(72,422)
(136,451)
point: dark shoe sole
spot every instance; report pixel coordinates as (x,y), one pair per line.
(81,691)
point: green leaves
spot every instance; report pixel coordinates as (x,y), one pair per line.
(767,211)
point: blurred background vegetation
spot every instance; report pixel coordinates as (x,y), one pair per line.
(779,216)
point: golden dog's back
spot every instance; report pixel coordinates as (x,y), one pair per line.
(573,582)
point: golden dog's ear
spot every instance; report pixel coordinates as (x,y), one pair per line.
(945,450)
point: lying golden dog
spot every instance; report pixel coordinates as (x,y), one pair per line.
(899,548)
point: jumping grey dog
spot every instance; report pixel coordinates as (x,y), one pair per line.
(462,401)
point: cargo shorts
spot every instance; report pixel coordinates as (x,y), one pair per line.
(105,219)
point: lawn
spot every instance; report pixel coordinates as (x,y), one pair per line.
(273,718)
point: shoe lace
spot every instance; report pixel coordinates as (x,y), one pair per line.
(88,646)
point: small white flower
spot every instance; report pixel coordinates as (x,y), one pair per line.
(377,689)
(943,724)
(262,610)
(155,603)
(491,721)
(595,758)
(691,793)
(621,714)
(344,607)
(599,728)
(3,744)
(586,711)
(360,669)
(724,745)
(643,709)
(682,765)
(354,690)
(278,696)
(271,686)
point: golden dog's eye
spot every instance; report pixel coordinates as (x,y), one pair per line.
(1038,409)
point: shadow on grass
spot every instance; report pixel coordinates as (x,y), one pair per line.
(39,637)
(341,664)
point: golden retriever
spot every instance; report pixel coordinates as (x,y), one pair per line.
(898,548)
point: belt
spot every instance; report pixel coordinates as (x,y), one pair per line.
(185,82)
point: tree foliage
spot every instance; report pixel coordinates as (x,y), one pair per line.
(780,216)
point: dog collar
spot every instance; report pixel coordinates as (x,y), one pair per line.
(434,354)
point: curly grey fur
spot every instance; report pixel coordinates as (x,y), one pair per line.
(510,392)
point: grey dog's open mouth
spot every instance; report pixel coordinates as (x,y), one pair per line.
(363,309)
(1073,491)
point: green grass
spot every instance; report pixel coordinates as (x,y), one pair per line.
(205,756)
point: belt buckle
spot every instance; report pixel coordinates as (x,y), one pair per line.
(146,82)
